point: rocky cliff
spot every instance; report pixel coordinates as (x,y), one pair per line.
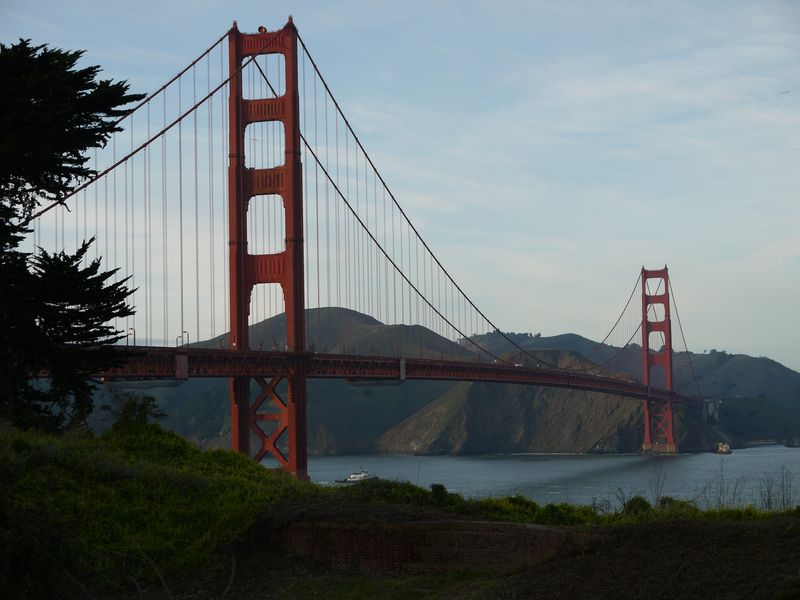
(478,418)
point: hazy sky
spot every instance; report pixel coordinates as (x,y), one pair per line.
(546,150)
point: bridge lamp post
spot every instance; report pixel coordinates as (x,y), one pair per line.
(132,330)
(186,333)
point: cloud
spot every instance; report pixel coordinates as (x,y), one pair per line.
(554,145)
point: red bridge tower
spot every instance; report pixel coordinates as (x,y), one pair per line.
(658,422)
(284,268)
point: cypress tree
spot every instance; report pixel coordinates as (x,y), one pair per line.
(54,312)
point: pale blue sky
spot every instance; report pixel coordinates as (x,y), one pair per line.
(546,150)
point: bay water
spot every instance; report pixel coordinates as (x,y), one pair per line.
(711,480)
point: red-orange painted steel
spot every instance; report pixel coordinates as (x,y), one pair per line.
(284,268)
(165,363)
(658,412)
(237,243)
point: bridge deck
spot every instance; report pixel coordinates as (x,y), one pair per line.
(181,363)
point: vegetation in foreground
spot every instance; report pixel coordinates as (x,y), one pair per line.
(79,512)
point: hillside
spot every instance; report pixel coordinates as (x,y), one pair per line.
(478,418)
(140,513)
(342,418)
(484,418)
(345,331)
(760,397)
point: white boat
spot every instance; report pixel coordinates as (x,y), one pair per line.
(361,475)
(722,448)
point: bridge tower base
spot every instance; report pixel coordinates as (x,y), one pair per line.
(659,436)
(285,439)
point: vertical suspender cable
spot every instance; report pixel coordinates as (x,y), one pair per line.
(424,322)
(336,207)
(417,319)
(180,200)
(369,288)
(394,283)
(347,218)
(442,308)
(279,149)
(386,265)
(85,212)
(405,240)
(274,213)
(196,214)
(114,200)
(307,231)
(278,223)
(96,212)
(250,223)
(272,237)
(147,237)
(77,226)
(327,229)
(255,207)
(316,211)
(375,248)
(264,210)
(458,310)
(358,262)
(35,237)
(356,239)
(211,205)
(410,292)
(164,244)
(224,141)
(132,272)
(106,255)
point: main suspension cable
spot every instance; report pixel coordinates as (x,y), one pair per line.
(411,225)
(145,144)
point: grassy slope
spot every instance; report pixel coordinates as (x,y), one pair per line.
(79,513)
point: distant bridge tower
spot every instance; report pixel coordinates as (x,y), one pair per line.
(284,268)
(658,414)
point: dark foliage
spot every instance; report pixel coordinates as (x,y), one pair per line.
(50,113)
(54,308)
(637,505)
(132,411)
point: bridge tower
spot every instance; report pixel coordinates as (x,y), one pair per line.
(285,268)
(658,414)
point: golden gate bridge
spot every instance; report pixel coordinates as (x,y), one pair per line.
(239,192)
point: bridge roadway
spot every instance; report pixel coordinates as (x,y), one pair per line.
(151,363)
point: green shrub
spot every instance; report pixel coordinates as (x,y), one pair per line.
(386,492)
(674,508)
(637,506)
(438,494)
